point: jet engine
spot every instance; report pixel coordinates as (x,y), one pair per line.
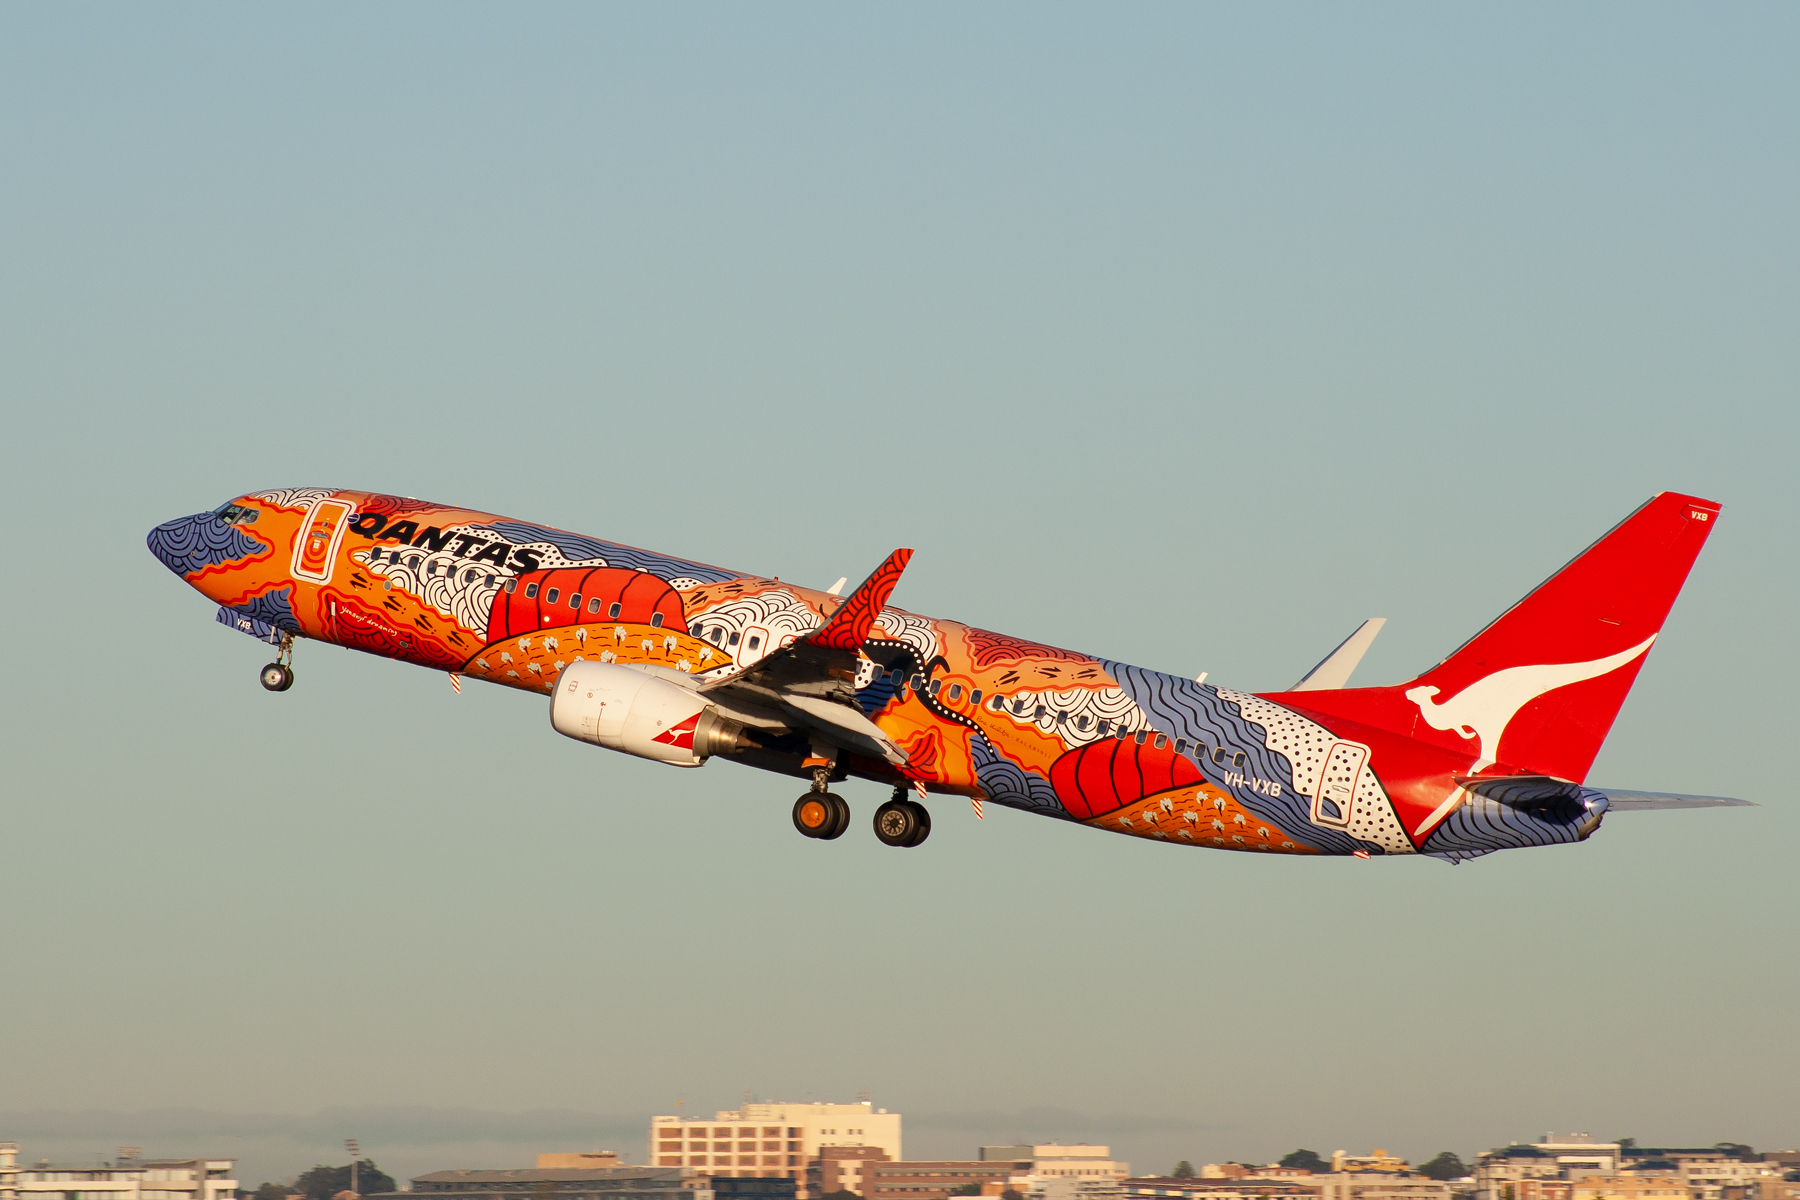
(626,709)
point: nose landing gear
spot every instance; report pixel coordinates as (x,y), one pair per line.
(278,676)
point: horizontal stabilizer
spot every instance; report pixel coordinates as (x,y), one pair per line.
(1335,671)
(1620,801)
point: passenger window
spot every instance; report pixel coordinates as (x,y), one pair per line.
(1180,745)
(594,605)
(975,697)
(549,596)
(1219,755)
(734,638)
(530,591)
(1039,714)
(656,620)
(1062,718)
(1103,729)
(935,685)
(956,691)
(1142,736)
(1082,722)
(574,599)
(613,612)
(755,642)
(510,585)
(997,703)
(1161,741)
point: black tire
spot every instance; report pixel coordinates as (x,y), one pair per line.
(924,823)
(814,815)
(897,823)
(277,678)
(840,809)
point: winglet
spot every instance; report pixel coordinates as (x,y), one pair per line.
(849,626)
(1334,671)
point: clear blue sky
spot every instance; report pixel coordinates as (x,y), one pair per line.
(1187,335)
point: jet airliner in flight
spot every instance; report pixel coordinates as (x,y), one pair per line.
(681,662)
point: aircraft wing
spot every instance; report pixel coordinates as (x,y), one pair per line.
(813,681)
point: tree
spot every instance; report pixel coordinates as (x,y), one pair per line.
(1306,1160)
(323,1182)
(1737,1150)
(1445,1166)
(967,1189)
(1012,1194)
(273,1191)
(1183,1170)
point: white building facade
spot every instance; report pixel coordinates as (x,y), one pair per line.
(125,1178)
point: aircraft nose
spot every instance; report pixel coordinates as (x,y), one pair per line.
(189,545)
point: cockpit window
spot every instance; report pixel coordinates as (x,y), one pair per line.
(236,514)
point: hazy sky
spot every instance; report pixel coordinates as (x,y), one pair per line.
(1186,335)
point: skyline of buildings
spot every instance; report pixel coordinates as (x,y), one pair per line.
(776,1151)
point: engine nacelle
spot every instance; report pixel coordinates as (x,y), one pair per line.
(630,710)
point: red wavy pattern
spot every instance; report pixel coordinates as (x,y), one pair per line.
(1104,776)
(849,626)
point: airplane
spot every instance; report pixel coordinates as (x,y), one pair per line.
(681,663)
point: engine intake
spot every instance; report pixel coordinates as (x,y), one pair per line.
(635,712)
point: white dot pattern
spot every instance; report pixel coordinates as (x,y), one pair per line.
(1307,746)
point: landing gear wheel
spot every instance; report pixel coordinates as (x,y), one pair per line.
(277,677)
(821,815)
(902,823)
(840,816)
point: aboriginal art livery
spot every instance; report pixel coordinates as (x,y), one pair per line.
(683,662)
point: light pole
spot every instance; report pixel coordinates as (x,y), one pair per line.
(355,1149)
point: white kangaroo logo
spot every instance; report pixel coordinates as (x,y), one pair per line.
(1486,707)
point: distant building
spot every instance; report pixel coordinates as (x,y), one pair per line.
(1630,1185)
(1559,1156)
(581,1161)
(770,1140)
(754,1188)
(618,1183)
(841,1169)
(934,1180)
(1706,1172)
(1344,1163)
(1244,1187)
(128,1176)
(1377,1185)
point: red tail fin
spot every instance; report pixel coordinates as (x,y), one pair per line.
(1538,689)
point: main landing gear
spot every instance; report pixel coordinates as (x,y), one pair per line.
(825,815)
(902,822)
(278,676)
(820,813)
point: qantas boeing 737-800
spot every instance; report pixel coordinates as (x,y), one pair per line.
(681,662)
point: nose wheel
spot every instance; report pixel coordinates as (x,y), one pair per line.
(278,676)
(902,822)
